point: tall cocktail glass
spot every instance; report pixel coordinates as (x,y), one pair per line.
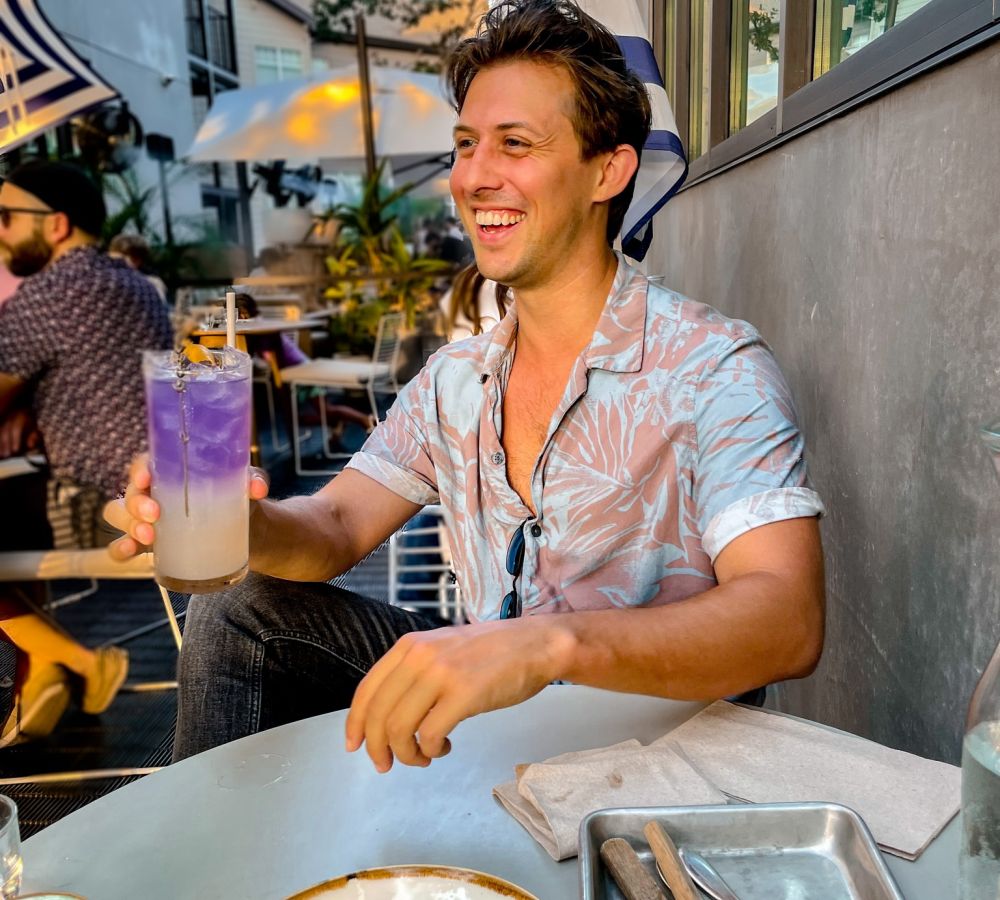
(10,850)
(199,449)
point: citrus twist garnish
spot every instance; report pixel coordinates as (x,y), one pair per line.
(196,353)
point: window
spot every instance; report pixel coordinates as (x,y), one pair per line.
(747,75)
(700,82)
(210,32)
(845,26)
(277,64)
(753,87)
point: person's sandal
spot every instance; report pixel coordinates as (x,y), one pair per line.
(109,675)
(39,706)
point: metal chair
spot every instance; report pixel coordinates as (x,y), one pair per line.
(47,565)
(375,375)
(445,597)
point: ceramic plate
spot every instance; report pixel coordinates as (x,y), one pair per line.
(415,883)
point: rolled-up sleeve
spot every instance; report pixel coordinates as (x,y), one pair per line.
(398,454)
(751,467)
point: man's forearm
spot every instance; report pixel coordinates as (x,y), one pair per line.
(299,539)
(732,638)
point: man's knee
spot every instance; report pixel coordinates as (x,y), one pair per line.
(247,607)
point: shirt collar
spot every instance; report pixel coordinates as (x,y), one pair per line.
(619,338)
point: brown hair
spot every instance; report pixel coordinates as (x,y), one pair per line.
(134,247)
(612,104)
(465,298)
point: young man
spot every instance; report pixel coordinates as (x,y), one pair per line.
(620,467)
(70,342)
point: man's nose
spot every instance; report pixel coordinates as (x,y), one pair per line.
(477,171)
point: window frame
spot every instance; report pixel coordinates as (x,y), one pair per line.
(937,33)
(279,65)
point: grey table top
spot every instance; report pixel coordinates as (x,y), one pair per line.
(279,811)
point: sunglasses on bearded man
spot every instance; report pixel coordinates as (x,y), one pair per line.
(6,212)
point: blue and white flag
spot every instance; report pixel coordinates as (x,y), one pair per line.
(42,80)
(664,166)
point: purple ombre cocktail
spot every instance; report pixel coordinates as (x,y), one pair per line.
(199,447)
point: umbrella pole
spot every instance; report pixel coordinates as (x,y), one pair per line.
(366,95)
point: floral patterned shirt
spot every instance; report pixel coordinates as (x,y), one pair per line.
(676,434)
(74,333)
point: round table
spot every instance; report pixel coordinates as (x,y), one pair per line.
(279,811)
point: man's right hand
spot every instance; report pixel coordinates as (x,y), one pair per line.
(137,511)
(18,433)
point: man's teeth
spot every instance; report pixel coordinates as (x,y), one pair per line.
(488,217)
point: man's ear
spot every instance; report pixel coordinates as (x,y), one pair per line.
(57,228)
(616,172)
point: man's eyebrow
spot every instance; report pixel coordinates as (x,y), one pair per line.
(502,126)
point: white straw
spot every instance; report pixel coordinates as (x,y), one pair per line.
(231,319)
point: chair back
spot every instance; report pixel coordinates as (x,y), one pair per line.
(386,352)
(420,567)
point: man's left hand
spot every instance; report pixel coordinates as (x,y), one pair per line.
(414,696)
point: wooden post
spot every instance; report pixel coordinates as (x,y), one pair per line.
(366,95)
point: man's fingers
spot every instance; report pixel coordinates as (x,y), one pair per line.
(259,484)
(403,720)
(138,473)
(124,549)
(438,724)
(140,505)
(116,515)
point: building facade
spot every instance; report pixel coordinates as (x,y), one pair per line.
(842,196)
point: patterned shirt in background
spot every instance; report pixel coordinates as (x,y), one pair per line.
(74,332)
(675,435)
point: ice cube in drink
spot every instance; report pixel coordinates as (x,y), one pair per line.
(199,444)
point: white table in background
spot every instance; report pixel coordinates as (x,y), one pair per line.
(277,812)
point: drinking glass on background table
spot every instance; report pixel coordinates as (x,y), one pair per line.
(198,410)
(10,850)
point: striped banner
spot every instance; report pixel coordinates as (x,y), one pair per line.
(664,165)
(42,80)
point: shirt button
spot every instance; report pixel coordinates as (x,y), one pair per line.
(536,530)
(498,458)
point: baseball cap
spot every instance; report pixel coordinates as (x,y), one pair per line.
(63,188)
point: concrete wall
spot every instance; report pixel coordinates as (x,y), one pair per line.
(143,56)
(867,251)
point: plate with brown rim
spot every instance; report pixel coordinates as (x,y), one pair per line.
(416,882)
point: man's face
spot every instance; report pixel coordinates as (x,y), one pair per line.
(22,240)
(518,161)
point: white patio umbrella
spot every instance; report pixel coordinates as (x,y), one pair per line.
(320,118)
(42,81)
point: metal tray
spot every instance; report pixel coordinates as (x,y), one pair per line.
(765,851)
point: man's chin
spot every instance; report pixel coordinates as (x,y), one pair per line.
(20,268)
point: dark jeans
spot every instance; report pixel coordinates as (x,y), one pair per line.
(269,652)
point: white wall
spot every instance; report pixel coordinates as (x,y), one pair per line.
(142,53)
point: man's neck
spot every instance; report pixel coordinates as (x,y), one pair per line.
(561,316)
(73,242)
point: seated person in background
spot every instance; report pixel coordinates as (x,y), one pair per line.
(70,342)
(280,350)
(455,246)
(620,467)
(135,251)
(472,305)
